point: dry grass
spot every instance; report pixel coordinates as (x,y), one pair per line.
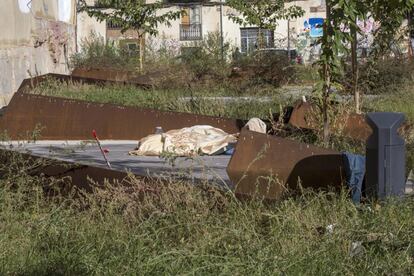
(176,228)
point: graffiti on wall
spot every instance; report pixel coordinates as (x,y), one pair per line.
(365,37)
(314,26)
(307,40)
(56,36)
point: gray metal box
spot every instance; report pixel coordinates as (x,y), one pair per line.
(385,160)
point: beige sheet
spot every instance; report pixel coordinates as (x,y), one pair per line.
(196,140)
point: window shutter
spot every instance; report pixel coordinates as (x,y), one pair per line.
(185,18)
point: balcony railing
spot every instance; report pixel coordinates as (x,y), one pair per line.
(110,25)
(190,32)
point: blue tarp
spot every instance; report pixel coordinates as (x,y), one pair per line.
(355,173)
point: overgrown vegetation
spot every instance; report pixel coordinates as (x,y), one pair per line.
(132,15)
(398,99)
(200,100)
(175,228)
(97,53)
(195,64)
(387,77)
(340,29)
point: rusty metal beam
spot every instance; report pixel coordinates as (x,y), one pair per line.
(81,176)
(266,166)
(353,125)
(115,75)
(66,119)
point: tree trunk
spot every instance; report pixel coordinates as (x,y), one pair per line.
(260,39)
(325,104)
(326,75)
(410,28)
(288,41)
(141,52)
(355,73)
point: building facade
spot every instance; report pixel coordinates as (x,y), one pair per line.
(206,17)
(38,37)
(202,18)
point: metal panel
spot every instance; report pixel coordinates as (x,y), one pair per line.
(353,125)
(66,119)
(78,175)
(265,166)
(385,152)
(115,75)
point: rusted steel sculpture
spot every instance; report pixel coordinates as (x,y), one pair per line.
(66,119)
(266,166)
(262,165)
(351,125)
(79,175)
(114,75)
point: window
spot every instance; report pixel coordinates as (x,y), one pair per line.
(111,25)
(130,46)
(133,47)
(195,15)
(190,27)
(250,39)
(192,15)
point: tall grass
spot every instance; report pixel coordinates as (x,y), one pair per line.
(399,100)
(185,229)
(203,100)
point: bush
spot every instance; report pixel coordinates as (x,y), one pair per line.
(204,59)
(196,63)
(382,76)
(162,54)
(264,68)
(97,53)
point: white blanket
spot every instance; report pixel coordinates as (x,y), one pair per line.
(190,141)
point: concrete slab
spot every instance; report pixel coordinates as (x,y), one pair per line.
(210,168)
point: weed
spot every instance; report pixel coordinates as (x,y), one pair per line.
(169,157)
(157,227)
(96,53)
(203,100)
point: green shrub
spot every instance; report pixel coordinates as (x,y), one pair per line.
(161,53)
(204,59)
(264,67)
(97,53)
(172,65)
(383,76)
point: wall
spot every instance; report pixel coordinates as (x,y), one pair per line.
(37,37)
(87,25)
(116,35)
